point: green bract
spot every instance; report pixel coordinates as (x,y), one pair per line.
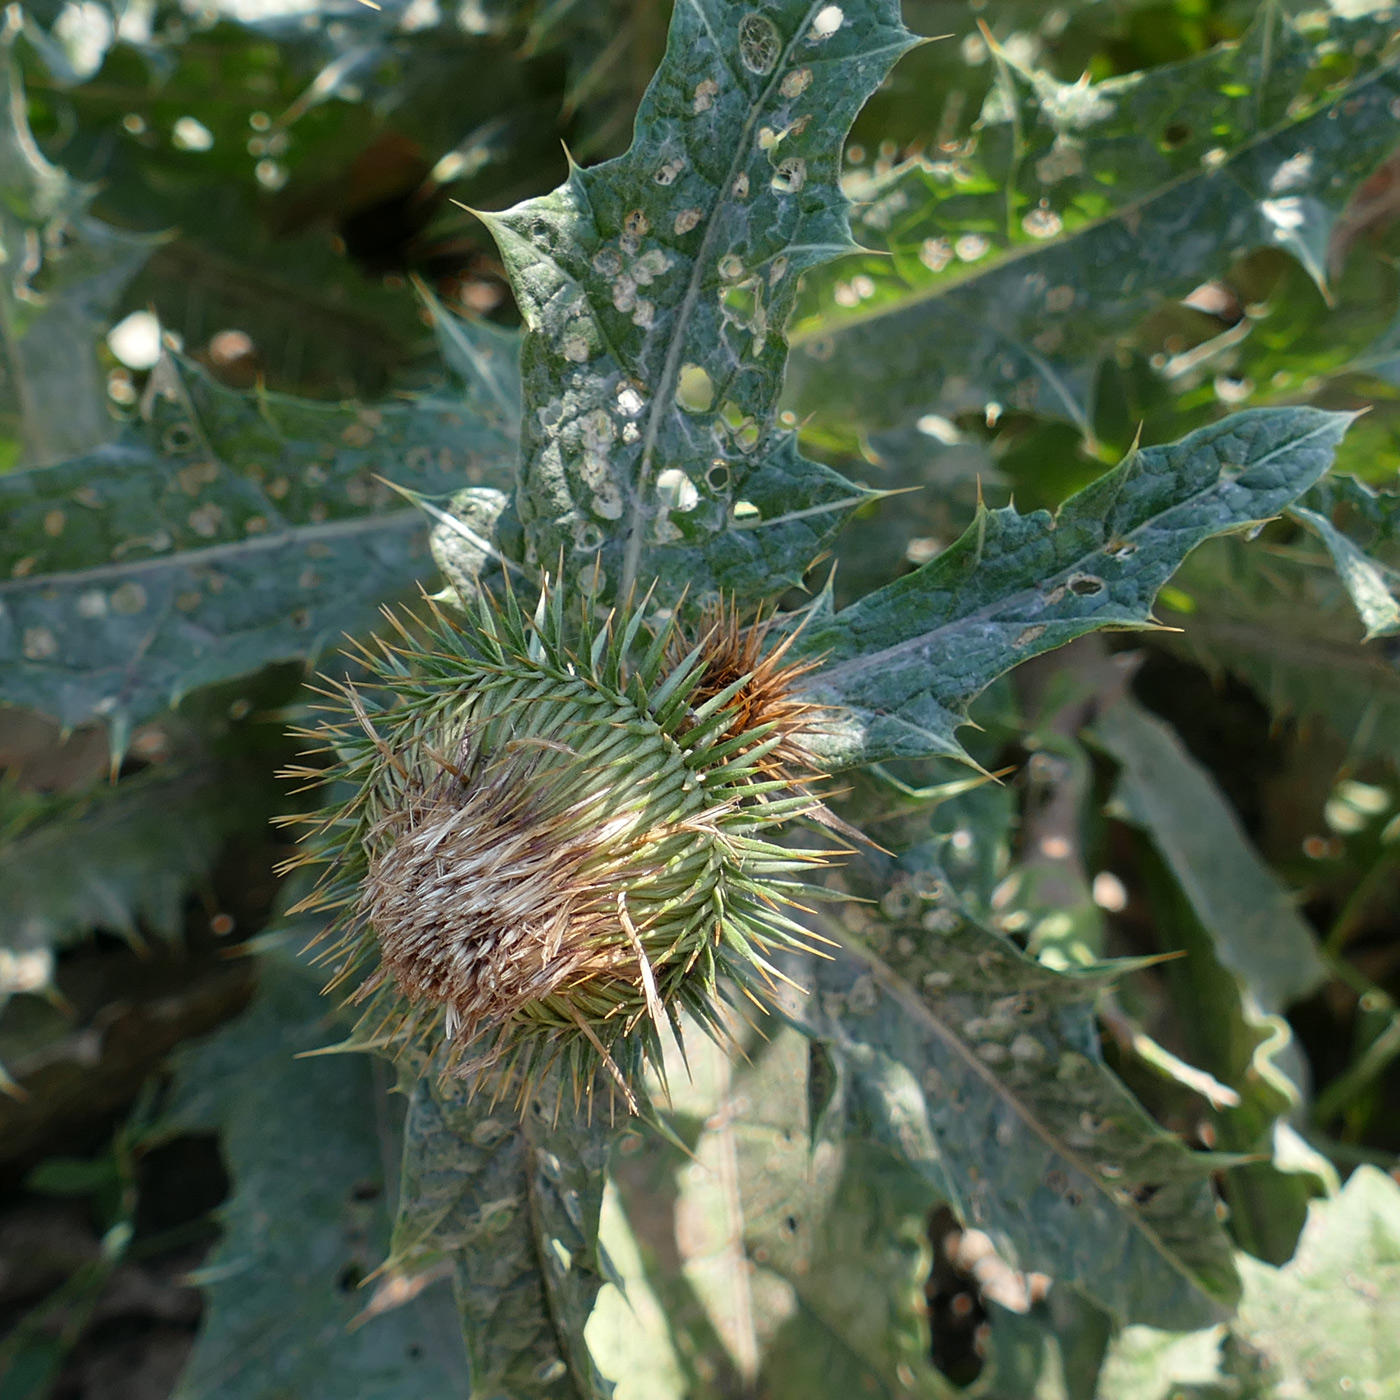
(548,849)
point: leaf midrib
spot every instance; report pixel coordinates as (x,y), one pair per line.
(670,370)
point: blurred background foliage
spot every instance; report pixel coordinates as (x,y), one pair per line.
(268,186)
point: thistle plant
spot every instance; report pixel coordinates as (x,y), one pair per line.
(550,835)
(563,818)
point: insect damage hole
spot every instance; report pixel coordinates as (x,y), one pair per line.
(789,176)
(759,43)
(676,490)
(718,477)
(1085,585)
(695,391)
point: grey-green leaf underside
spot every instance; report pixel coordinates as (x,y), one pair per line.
(1365,565)
(903,663)
(1285,626)
(1323,1325)
(655,290)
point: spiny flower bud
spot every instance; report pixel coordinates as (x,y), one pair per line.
(555,835)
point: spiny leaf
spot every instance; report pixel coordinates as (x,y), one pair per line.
(224,532)
(985,1068)
(904,662)
(1370,582)
(510,1203)
(1091,189)
(1049,158)
(1284,626)
(64,271)
(309,1145)
(1370,579)
(139,845)
(655,289)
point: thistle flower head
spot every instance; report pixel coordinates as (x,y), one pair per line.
(554,835)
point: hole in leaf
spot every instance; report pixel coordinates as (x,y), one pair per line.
(746,513)
(741,301)
(1085,585)
(677,490)
(718,477)
(954,1307)
(696,390)
(178,438)
(1177,134)
(790,175)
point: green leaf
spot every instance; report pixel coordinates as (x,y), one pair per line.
(1149,1364)
(903,663)
(1233,147)
(858,1275)
(629,1333)
(1259,934)
(986,1070)
(310,1146)
(511,1202)
(1235,911)
(1048,158)
(1323,1325)
(1224,1031)
(64,273)
(1310,1324)
(787,1240)
(224,532)
(360,127)
(655,289)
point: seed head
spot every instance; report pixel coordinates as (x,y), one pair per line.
(553,835)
